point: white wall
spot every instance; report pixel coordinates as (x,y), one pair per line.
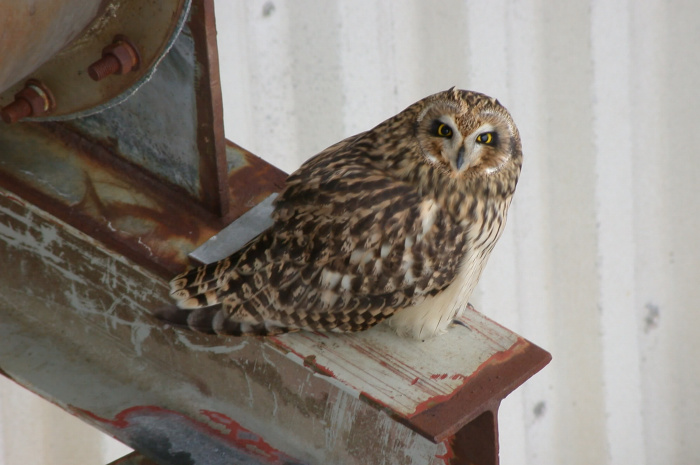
(36,432)
(599,263)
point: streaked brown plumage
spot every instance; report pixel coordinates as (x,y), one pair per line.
(398,222)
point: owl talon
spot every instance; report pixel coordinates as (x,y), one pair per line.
(456,322)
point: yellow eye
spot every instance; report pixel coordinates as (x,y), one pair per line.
(443,130)
(486,138)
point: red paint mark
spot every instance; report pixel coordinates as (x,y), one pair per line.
(13,198)
(455,377)
(121,420)
(244,438)
(448,455)
(238,436)
(414,381)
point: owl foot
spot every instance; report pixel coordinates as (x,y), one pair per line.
(456,322)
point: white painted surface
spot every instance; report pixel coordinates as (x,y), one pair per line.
(399,373)
(599,262)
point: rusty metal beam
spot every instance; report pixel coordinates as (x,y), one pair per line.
(97,213)
(125,207)
(76,327)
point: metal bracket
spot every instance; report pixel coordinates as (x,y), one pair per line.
(234,236)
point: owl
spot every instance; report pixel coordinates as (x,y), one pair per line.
(395,223)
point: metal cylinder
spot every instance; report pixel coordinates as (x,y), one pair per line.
(33,31)
(57,42)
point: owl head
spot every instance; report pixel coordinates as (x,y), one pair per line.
(466,134)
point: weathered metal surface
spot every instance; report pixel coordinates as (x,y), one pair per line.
(150,24)
(237,234)
(436,386)
(136,458)
(85,185)
(76,327)
(210,112)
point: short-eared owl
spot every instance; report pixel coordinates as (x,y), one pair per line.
(394,223)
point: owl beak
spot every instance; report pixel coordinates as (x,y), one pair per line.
(460,158)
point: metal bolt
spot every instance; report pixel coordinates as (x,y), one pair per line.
(119,57)
(35,99)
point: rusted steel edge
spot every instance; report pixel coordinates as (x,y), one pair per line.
(482,392)
(210,113)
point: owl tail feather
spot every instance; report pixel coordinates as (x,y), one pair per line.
(212,320)
(199,320)
(196,288)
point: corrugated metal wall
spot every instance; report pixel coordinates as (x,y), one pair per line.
(599,262)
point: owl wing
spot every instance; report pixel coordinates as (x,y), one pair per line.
(349,247)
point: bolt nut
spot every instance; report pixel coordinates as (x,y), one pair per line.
(119,57)
(35,99)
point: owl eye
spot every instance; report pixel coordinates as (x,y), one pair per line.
(486,138)
(441,129)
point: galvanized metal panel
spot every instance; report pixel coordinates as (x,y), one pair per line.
(237,234)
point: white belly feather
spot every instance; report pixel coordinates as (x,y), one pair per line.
(433,315)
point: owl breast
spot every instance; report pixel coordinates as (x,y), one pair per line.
(433,315)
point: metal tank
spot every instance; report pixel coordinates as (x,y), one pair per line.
(63,59)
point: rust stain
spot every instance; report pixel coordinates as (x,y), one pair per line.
(132,212)
(447,456)
(497,358)
(124,207)
(251,183)
(443,415)
(210,114)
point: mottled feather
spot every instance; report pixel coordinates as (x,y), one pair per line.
(374,224)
